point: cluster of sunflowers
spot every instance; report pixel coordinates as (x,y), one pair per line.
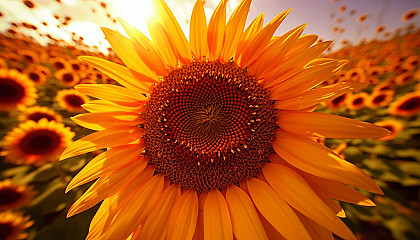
(147,199)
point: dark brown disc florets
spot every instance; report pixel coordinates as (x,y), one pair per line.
(208,125)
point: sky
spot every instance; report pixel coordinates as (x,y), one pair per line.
(321,15)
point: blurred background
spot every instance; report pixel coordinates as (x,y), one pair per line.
(39,43)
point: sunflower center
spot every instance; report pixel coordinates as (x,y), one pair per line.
(208,125)
(10,91)
(74,100)
(40,142)
(6,230)
(8,196)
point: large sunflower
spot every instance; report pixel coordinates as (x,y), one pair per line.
(215,138)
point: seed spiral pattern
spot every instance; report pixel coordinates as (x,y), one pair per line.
(208,125)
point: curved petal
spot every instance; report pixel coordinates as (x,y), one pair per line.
(105,163)
(217,223)
(277,212)
(183,219)
(120,74)
(198,31)
(327,125)
(316,159)
(100,121)
(163,42)
(216,30)
(155,225)
(285,181)
(100,105)
(245,220)
(250,32)
(108,138)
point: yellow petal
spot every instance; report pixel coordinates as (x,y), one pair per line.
(335,207)
(97,225)
(102,120)
(111,93)
(316,159)
(183,219)
(96,106)
(217,223)
(126,51)
(198,31)
(327,125)
(119,73)
(339,191)
(216,30)
(135,211)
(234,29)
(245,220)
(262,39)
(163,43)
(304,42)
(250,32)
(297,192)
(314,229)
(277,212)
(304,80)
(318,95)
(276,51)
(105,163)
(108,138)
(146,49)
(107,186)
(181,46)
(294,63)
(155,225)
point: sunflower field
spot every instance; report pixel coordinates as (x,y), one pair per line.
(44,111)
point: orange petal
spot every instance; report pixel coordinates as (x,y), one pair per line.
(178,40)
(216,30)
(113,93)
(234,29)
(318,160)
(277,212)
(318,95)
(327,125)
(250,32)
(262,39)
(126,51)
(316,231)
(217,224)
(146,49)
(183,219)
(296,192)
(163,43)
(198,31)
(105,163)
(107,186)
(108,138)
(245,220)
(100,121)
(120,74)
(339,191)
(155,225)
(135,211)
(96,106)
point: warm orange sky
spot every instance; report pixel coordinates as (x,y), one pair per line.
(322,15)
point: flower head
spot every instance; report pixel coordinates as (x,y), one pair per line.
(16,90)
(36,142)
(14,195)
(211,137)
(407,105)
(13,225)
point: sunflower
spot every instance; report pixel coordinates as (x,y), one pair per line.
(212,138)
(357,101)
(362,18)
(338,102)
(356,74)
(16,90)
(393,125)
(410,14)
(67,77)
(404,79)
(36,76)
(13,225)
(36,142)
(407,105)
(14,195)
(37,113)
(71,100)
(380,99)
